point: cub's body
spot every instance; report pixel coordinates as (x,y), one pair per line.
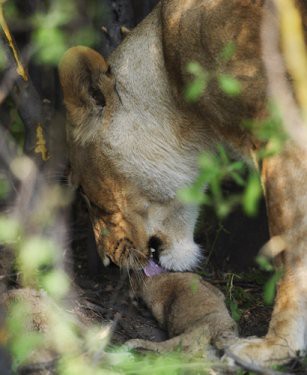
(191,310)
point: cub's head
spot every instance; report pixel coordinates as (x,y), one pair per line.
(116,207)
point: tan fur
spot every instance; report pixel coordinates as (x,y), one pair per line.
(132,154)
(191,310)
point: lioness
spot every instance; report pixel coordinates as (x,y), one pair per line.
(134,141)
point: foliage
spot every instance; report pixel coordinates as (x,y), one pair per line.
(231,299)
(51,28)
(83,350)
(269,289)
(214,168)
(197,86)
(208,188)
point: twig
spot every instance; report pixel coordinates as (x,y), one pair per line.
(21,71)
(27,100)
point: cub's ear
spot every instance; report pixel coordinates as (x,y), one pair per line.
(86,81)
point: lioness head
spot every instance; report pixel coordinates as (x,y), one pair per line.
(115,206)
(128,174)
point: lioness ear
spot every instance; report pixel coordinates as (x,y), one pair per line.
(86,82)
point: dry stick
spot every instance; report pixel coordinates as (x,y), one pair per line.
(27,100)
(20,69)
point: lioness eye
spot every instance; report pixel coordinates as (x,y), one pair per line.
(102,210)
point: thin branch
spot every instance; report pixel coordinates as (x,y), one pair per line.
(21,71)
(27,100)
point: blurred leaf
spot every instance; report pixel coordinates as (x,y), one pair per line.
(264,263)
(195,69)
(223,209)
(9,230)
(195,90)
(229,85)
(24,344)
(50,45)
(252,195)
(3,59)
(208,162)
(21,341)
(58,14)
(56,284)
(234,310)
(86,36)
(197,86)
(270,288)
(34,253)
(194,285)
(270,131)
(191,196)
(237,178)
(168,364)
(4,187)
(228,51)
(11,12)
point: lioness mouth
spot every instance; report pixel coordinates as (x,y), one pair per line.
(153,267)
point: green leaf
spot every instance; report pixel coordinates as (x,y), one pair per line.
(234,310)
(191,196)
(252,195)
(50,44)
(223,209)
(56,284)
(195,90)
(3,59)
(21,341)
(36,252)
(229,85)
(195,69)
(9,230)
(237,178)
(4,187)
(24,345)
(228,51)
(270,288)
(197,86)
(264,263)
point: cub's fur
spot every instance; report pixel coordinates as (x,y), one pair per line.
(134,141)
(191,310)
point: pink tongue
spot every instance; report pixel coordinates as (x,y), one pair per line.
(153,269)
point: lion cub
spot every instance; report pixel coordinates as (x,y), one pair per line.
(191,310)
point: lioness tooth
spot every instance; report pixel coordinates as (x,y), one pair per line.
(106,261)
(152,249)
